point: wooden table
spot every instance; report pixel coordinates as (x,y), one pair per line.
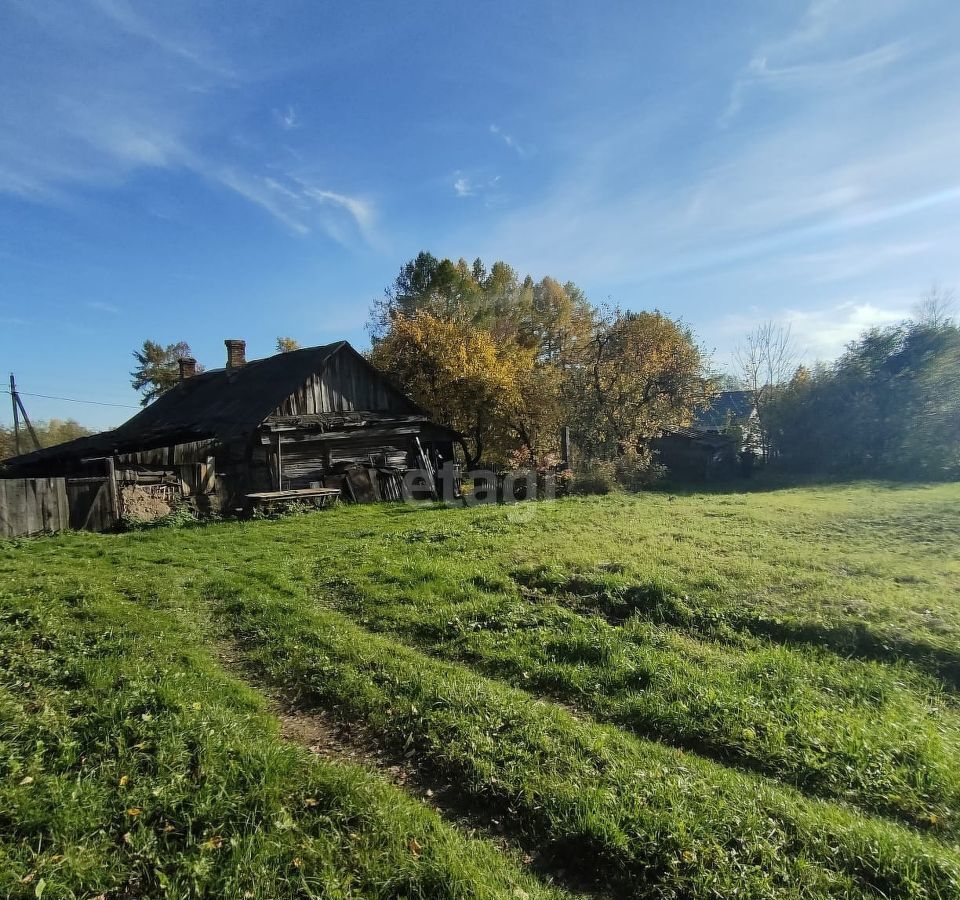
(318,496)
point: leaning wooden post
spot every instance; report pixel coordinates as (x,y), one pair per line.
(427,468)
(112,492)
(279,464)
(16,415)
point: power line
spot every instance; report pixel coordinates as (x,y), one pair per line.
(73,399)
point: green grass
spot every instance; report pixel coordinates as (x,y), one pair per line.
(695,694)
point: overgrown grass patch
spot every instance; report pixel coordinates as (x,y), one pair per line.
(131,765)
(755,697)
(650,815)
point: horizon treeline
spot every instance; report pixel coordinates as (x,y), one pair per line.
(508,361)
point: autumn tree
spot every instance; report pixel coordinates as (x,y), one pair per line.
(541,356)
(465,379)
(158,368)
(49,433)
(639,373)
(286,344)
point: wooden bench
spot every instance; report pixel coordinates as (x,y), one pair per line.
(318,496)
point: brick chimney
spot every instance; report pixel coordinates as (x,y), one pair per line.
(188,367)
(236,353)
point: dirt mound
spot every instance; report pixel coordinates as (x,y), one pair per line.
(139,505)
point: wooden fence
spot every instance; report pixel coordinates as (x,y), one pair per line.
(37,505)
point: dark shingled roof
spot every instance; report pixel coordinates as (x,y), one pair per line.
(220,403)
(727,407)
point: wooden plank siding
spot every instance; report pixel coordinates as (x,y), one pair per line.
(93,506)
(32,506)
(347,383)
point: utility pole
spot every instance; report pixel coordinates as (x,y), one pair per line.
(20,410)
(16,415)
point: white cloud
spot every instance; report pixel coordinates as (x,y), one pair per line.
(153,100)
(521,150)
(287,118)
(462,186)
(819,334)
(100,306)
(300,205)
(823,333)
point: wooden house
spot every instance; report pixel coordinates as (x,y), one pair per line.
(720,441)
(301,419)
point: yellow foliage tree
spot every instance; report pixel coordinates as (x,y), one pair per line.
(640,372)
(466,379)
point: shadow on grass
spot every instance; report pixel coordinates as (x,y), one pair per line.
(767,482)
(488,811)
(858,641)
(663,604)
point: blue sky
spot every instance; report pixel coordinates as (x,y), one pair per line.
(201,170)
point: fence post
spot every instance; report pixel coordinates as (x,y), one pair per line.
(112,490)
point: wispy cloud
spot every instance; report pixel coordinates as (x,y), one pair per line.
(482,186)
(100,306)
(807,74)
(520,149)
(171,41)
(157,105)
(288,118)
(816,173)
(300,205)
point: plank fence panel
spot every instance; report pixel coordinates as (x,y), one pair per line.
(91,506)
(32,506)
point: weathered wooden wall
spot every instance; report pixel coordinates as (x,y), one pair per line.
(93,505)
(348,382)
(37,505)
(32,506)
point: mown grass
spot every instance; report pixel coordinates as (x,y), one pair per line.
(131,765)
(775,671)
(648,815)
(885,738)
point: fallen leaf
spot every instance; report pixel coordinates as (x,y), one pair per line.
(214,843)
(414,847)
(124,780)
(27,780)
(134,811)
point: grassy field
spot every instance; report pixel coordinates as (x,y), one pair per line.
(687,695)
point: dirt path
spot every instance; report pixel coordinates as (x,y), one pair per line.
(331,739)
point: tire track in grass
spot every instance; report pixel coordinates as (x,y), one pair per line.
(656,821)
(664,604)
(134,766)
(899,763)
(335,740)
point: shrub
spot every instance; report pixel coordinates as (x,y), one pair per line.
(594,478)
(636,470)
